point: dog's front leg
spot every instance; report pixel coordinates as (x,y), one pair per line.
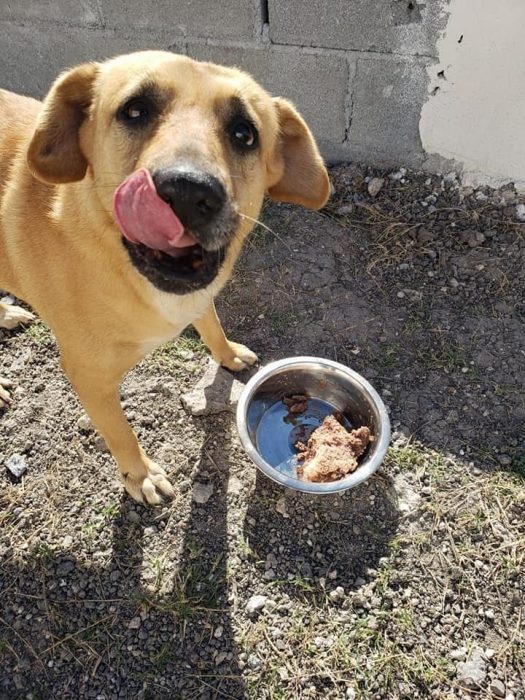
(98,389)
(234,356)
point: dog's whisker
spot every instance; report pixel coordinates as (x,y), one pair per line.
(267,228)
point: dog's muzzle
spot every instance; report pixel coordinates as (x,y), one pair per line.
(176,226)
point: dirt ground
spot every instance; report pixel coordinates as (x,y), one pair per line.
(409,586)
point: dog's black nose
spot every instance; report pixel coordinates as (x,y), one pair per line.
(195,196)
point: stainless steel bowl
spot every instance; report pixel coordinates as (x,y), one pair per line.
(269,436)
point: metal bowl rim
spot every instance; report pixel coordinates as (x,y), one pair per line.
(361,474)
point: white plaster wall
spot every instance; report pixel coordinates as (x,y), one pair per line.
(476,116)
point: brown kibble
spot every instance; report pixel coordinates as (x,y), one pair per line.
(296,404)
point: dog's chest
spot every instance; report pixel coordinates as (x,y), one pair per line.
(177,312)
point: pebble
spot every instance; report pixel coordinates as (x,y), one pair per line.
(280,507)
(398,174)
(218,632)
(497,688)
(17,465)
(254,662)
(133,516)
(337,594)
(345,209)
(84,423)
(221,656)
(201,493)
(135,623)
(458,654)
(350,694)
(520,212)
(255,604)
(375,186)
(67,541)
(472,673)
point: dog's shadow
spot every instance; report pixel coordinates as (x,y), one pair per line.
(162,628)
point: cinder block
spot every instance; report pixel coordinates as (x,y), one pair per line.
(231,19)
(317,84)
(57,11)
(47,52)
(387,100)
(393,26)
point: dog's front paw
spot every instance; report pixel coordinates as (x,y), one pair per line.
(149,485)
(13,316)
(5,398)
(238,357)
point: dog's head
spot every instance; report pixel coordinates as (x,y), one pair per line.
(180,155)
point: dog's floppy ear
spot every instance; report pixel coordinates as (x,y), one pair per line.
(54,154)
(303,177)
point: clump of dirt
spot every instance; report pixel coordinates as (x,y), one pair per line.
(332,452)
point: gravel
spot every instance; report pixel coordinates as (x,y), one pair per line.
(408,586)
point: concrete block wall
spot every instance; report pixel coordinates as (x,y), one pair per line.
(356,69)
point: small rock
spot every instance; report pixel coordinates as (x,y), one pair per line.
(221,656)
(67,541)
(472,673)
(216,392)
(201,493)
(497,688)
(219,631)
(337,594)
(17,465)
(350,694)
(520,212)
(84,423)
(398,174)
(254,662)
(375,186)
(283,673)
(133,516)
(458,654)
(135,623)
(408,499)
(255,604)
(345,210)
(280,507)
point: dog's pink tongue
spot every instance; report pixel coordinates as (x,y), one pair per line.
(143,217)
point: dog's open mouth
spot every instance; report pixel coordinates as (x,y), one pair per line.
(190,269)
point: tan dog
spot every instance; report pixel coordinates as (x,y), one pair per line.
(124,201)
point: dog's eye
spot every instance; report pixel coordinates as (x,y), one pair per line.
(136,111)
(244,135)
